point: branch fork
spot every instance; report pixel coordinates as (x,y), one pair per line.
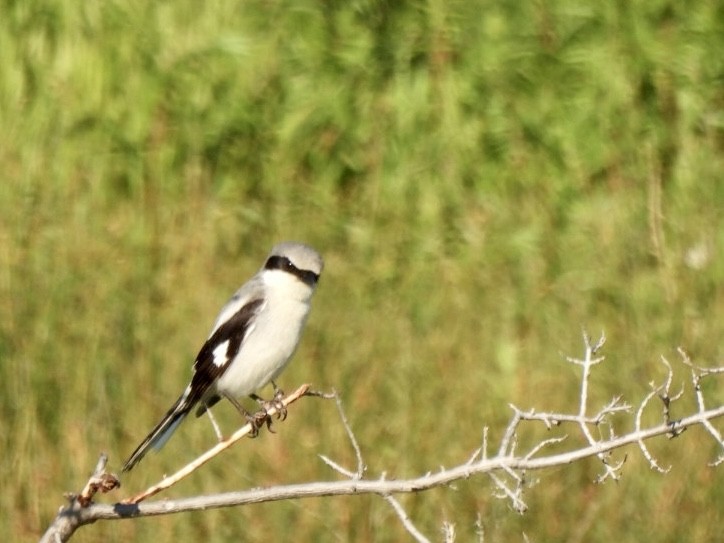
(508,470)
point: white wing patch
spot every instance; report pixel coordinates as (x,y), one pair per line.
(221,353)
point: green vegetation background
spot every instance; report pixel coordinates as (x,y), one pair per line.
(484,178)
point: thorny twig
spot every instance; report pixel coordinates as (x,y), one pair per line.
(508,470)
(697,374)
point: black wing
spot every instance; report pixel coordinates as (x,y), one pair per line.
(208,367)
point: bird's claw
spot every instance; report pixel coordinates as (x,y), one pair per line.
(277,403)
(261,417)
(257,420)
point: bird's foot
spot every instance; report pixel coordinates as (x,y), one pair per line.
(257,420)
(262,416)
(275,403)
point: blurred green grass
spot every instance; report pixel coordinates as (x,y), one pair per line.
(483,178)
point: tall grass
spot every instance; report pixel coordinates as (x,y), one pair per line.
(483,178)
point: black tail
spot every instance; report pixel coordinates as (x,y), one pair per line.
(163,430)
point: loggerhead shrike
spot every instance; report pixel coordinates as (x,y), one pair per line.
(251,342)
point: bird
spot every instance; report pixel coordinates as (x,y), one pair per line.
(251,342)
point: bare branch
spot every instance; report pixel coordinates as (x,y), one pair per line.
(644,450)
(515,495)
(187,470)
(361,468)
(94,512)
(587,363)
(68,519)
(507,443)
(336,467)
(544,444)
(100,480)
(696,381)
(702,371)
(352,439)
(405,519)
(507,470)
